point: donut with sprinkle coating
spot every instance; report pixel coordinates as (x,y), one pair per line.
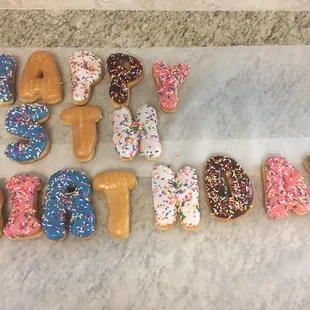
(229,189)
(125,72)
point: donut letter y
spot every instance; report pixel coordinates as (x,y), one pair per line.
(167,81)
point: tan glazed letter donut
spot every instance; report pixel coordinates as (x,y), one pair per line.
(115,185)
(83,122)
(40,79)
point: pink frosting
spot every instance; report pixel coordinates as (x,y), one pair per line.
(167,81)
(285,189)
(22,222)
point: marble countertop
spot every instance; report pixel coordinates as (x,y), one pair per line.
(96,28)
(246,102)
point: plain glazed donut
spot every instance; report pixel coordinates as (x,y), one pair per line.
(125,72)
(285,189)
(83,122)
(7,79)
(115,185)
(22,222)
(229,188)
(67,195)
(40,79)
(24,123)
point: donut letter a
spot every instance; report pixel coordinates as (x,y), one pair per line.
(40,79)
(116,186)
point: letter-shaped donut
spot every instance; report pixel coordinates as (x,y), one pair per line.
(115,185)
(22,223)
(127,134)
(83,122)
(167,81)
(229,189)
(86,72)
(125,72)
(40,79)
(285,189)
(1,216)
(24,122)
(7,75)
(174,196)
(67,196)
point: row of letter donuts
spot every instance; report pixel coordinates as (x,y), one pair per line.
(40,80)
(67,199)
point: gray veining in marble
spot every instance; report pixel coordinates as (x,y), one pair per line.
(51,28)
(248,102)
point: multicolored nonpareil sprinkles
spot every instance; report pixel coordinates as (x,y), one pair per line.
(167,81)
(7,69)
(285,189)
(22,222)
(228,187)
(67,195)
(126,134)
(24,122)
(187,194)
(124,70)
(130,136)
(150,145)
(86,70)
(174,196)
(164,197)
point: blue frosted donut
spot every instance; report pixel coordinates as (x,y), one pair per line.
(7,68)
(67,196)
(24,122)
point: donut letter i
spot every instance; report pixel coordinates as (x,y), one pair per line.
(116,186)
(24,122)
(40,79)
(22,223)
(67,196)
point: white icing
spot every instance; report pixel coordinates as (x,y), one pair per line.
(86,70)
(125,135)
(188,196)
(164,199)
(150,145)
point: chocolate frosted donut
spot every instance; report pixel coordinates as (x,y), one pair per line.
(125,72)
(228,187)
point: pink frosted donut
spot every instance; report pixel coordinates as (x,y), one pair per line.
(285,189)
(167,81)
